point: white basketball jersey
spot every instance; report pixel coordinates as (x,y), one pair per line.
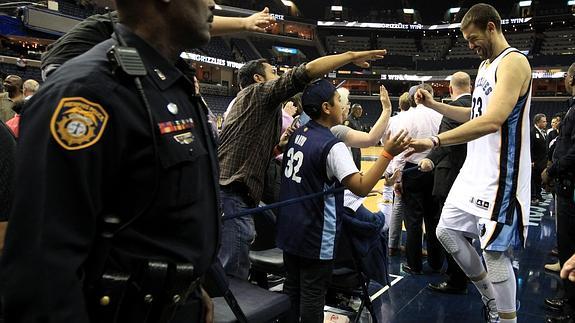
(495,180)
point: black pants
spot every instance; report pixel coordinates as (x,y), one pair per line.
(356,154)
(306,285)
(420,204)
(566,238)
(455,275)
(536,179)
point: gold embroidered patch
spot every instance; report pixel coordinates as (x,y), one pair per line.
(78,123)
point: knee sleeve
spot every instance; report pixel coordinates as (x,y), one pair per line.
(447,239)
(497,269)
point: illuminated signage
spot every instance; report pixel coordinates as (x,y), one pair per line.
(356,24)
(285,50)
(211,60)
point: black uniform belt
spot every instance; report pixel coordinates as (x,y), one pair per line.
(152,294)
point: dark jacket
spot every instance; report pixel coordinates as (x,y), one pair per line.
(563,167)
(538,146)
(448,160)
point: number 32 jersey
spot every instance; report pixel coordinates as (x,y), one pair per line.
(495,180)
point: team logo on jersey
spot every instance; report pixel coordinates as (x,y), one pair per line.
(480,203)
(78,123)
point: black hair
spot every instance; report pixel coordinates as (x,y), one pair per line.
(251,68)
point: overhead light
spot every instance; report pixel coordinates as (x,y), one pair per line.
(571,3)
(524,3)
(411,11)
(454,10)
(218,7)
(336,8)
(287,3)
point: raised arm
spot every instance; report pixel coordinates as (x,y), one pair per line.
(513,80)
(362,184)
(323,65)
(459,114)
(360,139)
(258,22)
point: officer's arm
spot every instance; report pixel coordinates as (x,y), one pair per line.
(565,163)
(513,77)
(258,22)
(56,205)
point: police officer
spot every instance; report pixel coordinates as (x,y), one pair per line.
(354,123)
(115,215)
(562,171)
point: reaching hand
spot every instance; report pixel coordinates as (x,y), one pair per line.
(426,165)
(259,21)
(290,109)
(392,180)
(362,58)
(285,136)
(424,97)
(208,307)
(568,270)
(419,145)
(398,143)
(384,98)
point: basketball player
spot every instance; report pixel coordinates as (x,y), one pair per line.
(490,198)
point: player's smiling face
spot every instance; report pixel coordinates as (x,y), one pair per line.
(479,41)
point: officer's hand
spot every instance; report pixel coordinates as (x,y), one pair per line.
(259,21)
(568,270)
(426,165)
(208,306)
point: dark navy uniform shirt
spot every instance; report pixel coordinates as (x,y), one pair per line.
(86,151)
(309,228)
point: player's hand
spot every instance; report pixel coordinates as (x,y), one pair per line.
(426,165)
(398,143)
(391,180)
(419,145)
(208,306)
(568,270)
(424,97)
(384,98)
(259,21)
(362,59)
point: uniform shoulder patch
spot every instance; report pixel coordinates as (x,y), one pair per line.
(78,123)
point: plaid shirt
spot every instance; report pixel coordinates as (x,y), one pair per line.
(252,129)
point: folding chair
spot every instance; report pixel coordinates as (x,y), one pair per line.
(236,300)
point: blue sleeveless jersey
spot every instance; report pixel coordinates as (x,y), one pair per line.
(309,228)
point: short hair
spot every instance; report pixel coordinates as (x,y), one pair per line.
(404,103)
(356,106)
(31,86)
(538,117)
(461,80)
(426,87)
(17,78)
(251,68)
(480,15)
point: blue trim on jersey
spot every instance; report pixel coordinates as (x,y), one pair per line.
(511,164)
(329,226)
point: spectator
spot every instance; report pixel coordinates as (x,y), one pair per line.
(247,142)
(538,155)
(562,173)
(29,88)
(13,87)
(420,122)
(354,123)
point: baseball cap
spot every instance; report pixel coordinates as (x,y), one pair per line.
(315,94)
